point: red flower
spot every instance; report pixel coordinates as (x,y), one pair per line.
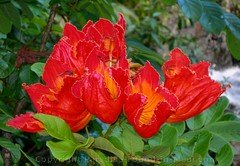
(149,104)
(105,35)
(102,89)
(55,98)
(26,122)
(195,90)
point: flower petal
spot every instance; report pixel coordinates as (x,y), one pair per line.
(98,97)
(134,108)
(66,106)
(73,33)
(26,122)
(201,68)
(177,60)
(35,92)
(146,75)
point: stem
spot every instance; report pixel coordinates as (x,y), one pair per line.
(49,25)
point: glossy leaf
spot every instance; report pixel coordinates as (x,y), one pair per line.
(211,18)
(196,122)
(233,23)
(180,127)
(95,156)
(62,150)
(229,130)
(11,13)
(56,127)
(104,144)
(233,44)
(214,113)
(131,141)
(27,76)
(104,158)
(225,156)
(38,68)
(191,8)
(13,149)
(202,144)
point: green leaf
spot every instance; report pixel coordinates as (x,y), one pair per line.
(196,122)
(225,156)
(104,144)
(33,161)
(13,149)
(208,161)
(180,127)
(62,150)
(191,8)
(25,10)
(11,13)
(56,127)
(131,141)
(6,64)
(3,120)
(202,144)
(167,137)
(27,76)
(214,113)
(233,23)
(157,152)
(217,143)
(233,45)
(140,50)
(229,130)
(1,160)
(211,18)
(38,68)
(95,156)
(105,159)
(6,25)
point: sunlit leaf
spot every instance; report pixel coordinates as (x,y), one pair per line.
(56,127)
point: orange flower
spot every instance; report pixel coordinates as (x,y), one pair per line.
(195,90)
(149,104)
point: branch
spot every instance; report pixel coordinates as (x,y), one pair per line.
(49,25)
(6,153)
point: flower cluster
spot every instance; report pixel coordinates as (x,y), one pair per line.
(88,74)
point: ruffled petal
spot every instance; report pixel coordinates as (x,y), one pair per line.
(35,92)
(201,94)
(72,33)
(100,99)
(195,90)
(146,80)
(26,122)
(121,21)
(177,60)
(67,106)
(201,68)
(149,104)
(53,73)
